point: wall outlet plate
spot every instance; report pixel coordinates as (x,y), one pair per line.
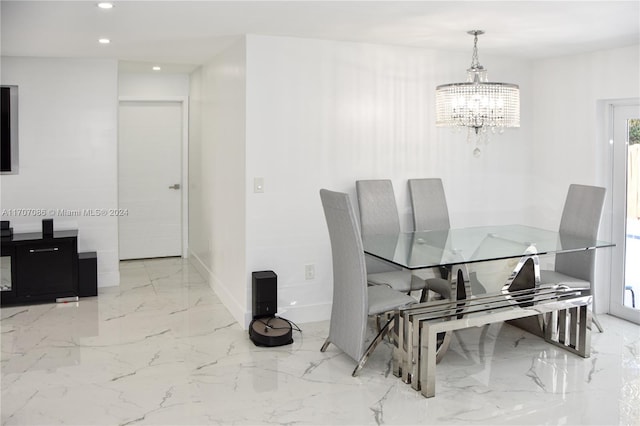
(309,271)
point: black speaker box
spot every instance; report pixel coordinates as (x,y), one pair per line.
(5,230)
(87,274)
(47,227)
(265,293)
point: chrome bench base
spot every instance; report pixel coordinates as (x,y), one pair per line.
(566,323)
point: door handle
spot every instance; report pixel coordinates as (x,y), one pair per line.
(175,186)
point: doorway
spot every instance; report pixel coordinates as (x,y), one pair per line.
(151,178)
(625,283)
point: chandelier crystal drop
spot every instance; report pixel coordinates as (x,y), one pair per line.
(477,103)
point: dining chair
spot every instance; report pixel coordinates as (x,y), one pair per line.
(379,215)
(429,204)
(353,300)
(430,212)
(580,218)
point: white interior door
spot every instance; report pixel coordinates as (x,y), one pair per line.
(149,181)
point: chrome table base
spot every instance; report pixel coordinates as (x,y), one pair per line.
(422,332)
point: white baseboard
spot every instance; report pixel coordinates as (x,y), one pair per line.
(109,279)
(235,308)
(306,313)
(299,314)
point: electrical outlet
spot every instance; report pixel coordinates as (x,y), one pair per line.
(309,271)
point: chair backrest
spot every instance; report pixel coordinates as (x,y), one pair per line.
(378,209)
(429,204)
(580,218)
(349,310)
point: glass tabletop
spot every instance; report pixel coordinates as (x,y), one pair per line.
(427,249)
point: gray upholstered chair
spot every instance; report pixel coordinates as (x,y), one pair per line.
(353,300)
(430,212)
(429,204)
(379,215)
(580,218)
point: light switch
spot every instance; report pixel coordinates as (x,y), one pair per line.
(258,185)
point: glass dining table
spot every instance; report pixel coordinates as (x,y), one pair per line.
(456,248)
(453,250)
(430,249)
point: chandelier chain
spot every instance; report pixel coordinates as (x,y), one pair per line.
(475,64)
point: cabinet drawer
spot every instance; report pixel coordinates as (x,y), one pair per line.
(46,268)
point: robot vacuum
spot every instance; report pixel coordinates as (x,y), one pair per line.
(270,331)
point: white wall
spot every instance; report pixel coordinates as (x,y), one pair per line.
(68,113)
(199,220)
(569,145)
(217,170)
(323,114)
(153,85)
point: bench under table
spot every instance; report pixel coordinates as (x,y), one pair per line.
(422,331)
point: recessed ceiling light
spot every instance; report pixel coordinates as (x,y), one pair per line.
(104,41)
(156,68)
(105,5)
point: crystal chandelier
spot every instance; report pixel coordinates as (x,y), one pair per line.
(478,104)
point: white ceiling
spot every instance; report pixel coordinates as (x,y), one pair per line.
(188,33)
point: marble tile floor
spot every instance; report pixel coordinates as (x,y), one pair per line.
(162,350)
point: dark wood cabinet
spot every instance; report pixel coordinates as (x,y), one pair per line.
(42,269)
